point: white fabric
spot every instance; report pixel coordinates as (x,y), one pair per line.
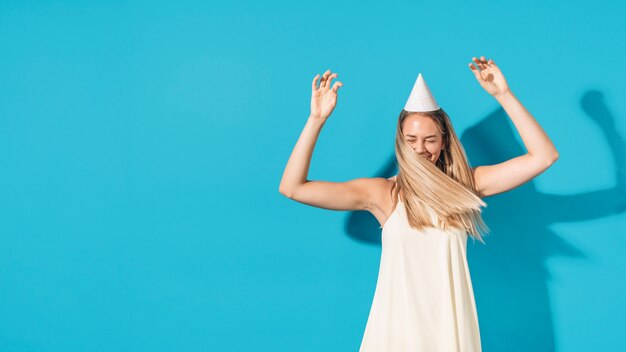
(424,299)
(421,99)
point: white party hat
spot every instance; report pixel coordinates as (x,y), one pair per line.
(421,99)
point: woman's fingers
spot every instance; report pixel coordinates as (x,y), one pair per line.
(314,84)
(325,81)
(477,62)
(479,66)
(475,71)
(324,77)
(336,86)
(330,79)
(484,63)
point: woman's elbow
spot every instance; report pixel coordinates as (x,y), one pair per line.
(284,191)
(555,156)
(552,158)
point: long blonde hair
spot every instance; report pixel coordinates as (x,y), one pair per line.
(447,187)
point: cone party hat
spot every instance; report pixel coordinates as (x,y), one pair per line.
(421,99)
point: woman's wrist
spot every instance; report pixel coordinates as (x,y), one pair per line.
(316,119)
(503,96)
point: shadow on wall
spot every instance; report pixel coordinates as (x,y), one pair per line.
(509,273)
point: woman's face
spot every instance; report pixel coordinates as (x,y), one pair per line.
(421,133)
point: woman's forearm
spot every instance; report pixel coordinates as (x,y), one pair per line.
(297,168)
(534,137)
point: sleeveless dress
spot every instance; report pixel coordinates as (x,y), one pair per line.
(424,299)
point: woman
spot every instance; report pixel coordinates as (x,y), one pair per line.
(424,299)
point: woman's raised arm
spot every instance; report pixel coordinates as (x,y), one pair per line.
(355,194)
(502,177)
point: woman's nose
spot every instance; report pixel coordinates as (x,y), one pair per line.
(419,148)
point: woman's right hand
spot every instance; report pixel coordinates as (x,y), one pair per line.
(324,98)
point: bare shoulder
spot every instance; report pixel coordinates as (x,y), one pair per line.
(383,195)
(391,191)
(379,192)
(383,186)
(376,188)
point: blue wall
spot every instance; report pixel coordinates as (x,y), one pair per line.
(142,144)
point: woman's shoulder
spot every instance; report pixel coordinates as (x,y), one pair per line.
(381,191)
(382,186)
(393,178)
(383,194)
(395,190)
(387,193)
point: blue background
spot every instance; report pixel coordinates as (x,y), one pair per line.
(142,144)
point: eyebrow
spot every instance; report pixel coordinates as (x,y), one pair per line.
(410,135)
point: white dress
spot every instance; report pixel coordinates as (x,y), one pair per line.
(424,299)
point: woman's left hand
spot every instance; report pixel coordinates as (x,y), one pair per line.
(489,76)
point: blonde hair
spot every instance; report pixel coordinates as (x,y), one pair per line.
(447,187)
